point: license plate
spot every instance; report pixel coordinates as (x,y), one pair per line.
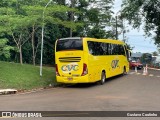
(70,78)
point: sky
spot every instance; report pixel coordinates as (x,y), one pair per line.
(136,37)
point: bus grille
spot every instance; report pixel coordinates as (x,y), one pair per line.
(70,59)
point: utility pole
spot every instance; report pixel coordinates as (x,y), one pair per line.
(116,29)
(72,16)
(43,37)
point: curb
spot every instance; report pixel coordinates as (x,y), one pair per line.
(153,68)
(17,92)
(23,91)
(7,91)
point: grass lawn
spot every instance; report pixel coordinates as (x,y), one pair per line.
(25,77)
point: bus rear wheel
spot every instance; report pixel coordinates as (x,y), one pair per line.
(103,78)
(124,71)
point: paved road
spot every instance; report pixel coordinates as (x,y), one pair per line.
(132,92)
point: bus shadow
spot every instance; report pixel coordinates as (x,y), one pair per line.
(114,78)
(89,85)
(79,85)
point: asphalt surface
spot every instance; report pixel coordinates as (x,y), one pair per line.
(132,92)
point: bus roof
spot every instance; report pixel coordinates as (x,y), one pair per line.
(105,40)
(70,38)
(95,39)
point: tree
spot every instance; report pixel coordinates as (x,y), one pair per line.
(158,47)
(97,32)
(15,24)
(4,48)
(53,14)
(146,58)
(22,20)
(95,15)
(143,11)
(155,53)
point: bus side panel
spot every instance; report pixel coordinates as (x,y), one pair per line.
(113,65)
(97,64)
(93,68)
(91,76)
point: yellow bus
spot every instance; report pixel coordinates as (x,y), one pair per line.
(88,60)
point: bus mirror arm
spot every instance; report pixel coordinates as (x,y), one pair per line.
(129,55)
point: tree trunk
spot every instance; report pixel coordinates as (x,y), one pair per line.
(20,54)
(33,45)
(70,32)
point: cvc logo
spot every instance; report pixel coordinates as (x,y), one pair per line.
(114,63)
(70,67)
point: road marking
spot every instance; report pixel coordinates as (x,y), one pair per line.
(131,73)
(153,68)
(138,73)
(151,75)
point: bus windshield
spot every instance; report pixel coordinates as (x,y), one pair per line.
(69,44)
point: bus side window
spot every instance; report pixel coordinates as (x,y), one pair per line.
(95,48)
(115,49)
(104,47)
(126,51)
(99,48)
(110,48)
(90,47)
(121,50)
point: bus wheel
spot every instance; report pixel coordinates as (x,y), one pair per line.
(124,71)
(103,78)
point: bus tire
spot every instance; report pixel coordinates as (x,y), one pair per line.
(124,71)
(103,78)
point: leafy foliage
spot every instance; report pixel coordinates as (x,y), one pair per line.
(5,49)
(143,11)
(21,23)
